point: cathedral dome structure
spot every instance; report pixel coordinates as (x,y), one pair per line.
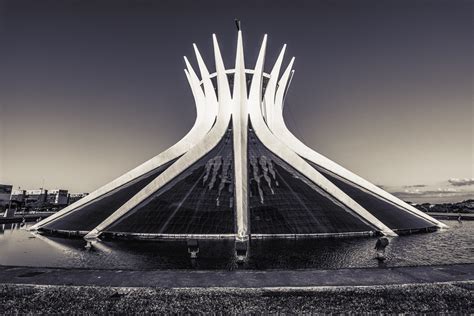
(239,173)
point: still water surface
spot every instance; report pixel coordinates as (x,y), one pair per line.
(20,247)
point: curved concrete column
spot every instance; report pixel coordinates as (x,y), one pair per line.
(240,130)
(201,148)
(275,145)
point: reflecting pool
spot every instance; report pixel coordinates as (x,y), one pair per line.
(20,247)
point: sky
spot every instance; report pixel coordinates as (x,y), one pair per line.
(91,89)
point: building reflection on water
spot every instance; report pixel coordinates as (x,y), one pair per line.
(20,247)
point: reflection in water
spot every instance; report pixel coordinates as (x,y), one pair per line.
(19,247)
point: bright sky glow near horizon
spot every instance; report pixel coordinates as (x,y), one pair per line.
(91,89)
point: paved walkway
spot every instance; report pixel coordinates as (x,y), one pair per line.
(18,218)
(239,278)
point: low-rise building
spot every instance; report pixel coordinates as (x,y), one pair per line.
(57,197)
(5,195)
(35,198)
(74,197)
(18,197)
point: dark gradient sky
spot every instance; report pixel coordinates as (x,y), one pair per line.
(90,89)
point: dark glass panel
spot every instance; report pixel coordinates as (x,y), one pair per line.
(391,215)
(282,201)
(198,201)
(92,214)
(248,77)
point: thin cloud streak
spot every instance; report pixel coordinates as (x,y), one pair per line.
(415,186)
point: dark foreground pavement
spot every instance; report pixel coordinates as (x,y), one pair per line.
(238,278)
(433,298)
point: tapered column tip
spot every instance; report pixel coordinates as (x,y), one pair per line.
(186,60)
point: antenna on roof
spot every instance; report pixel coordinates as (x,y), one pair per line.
(237,24)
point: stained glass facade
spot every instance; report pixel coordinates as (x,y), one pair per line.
(201,201)
(282,201)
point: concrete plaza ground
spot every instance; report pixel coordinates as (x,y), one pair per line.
(237,278)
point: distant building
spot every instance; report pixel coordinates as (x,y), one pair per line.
(40,199)
(74,197)
(5,194)
(35,198)
(57,197)
(18,197)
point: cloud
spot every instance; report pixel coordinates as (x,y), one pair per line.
(428,193)
(415,186)
(461,182)
(444,190)
(408,193)
(447,192)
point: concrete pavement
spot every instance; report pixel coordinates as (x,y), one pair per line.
(237,278)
